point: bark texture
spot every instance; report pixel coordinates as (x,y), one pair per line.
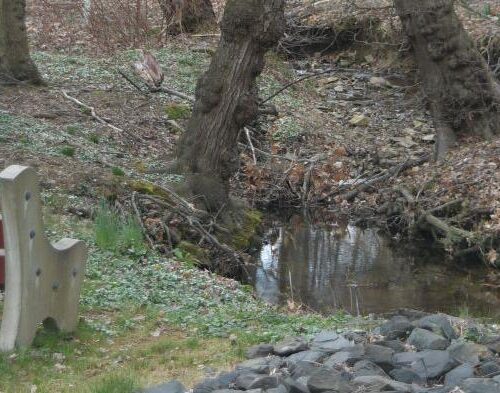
(463,95)
(187,16)
(227,97)
(15,61)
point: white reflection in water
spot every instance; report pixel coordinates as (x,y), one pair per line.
(355,269)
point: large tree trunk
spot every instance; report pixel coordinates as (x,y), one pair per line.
(187,16)
(226,97)
(463,95)
(15,61)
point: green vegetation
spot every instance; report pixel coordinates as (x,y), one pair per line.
(116,233)
(177,111)
(68,151)
(115,384)
(118,171)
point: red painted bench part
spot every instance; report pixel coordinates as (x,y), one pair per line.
(2,256)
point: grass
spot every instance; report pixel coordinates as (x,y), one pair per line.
(116,233)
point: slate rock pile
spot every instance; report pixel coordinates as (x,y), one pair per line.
(406,354)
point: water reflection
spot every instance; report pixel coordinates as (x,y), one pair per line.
(341,266)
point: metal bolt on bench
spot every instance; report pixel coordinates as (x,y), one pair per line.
(42,280)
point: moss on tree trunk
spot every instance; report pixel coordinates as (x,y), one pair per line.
(15,61)
(227,99)
(464,97)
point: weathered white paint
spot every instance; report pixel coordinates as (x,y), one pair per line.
(42,280)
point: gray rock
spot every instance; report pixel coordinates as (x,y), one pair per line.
(303,380)
(249,381)
(382,356)
(465,352)
(395,345)
(303,369)
(424,339)
(169,387)
(295,386)
(458,374)
(330,342)
(480,385)
(347,356)
(493,343)
(326,379)
(405,359)
(406,375)
(439,324)
(258,351)
(222,381)
(280,389)
(382,383)
(367,368)
(489,368)
(261,365)
(397,327)
(290,346)
(305,356)
(433,364)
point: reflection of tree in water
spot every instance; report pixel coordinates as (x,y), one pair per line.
(341,266)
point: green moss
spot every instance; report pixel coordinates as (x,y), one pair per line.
(177,111)
(191,251)
(118,171)
(246,235)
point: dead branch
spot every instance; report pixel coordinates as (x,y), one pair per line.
(139,218)
(93,113)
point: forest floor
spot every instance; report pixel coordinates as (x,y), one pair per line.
(332,133)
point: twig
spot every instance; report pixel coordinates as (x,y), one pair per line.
(129,80)
(247,133)
(173,93)
(98,118)
(139,217)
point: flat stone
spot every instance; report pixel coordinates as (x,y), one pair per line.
(249,381)
(458,374)
(305,356)
(405,359)
(490,368)
(480,385)
(406,375)
(360,121)
(366,368)
(465,352)
(261,365)
(433,364)
(258,351)
(330,342)
(302,369)
(327,379)
(493,343)
(397,327)
(395,345)
(280,389)
(169,387)
(423,339)
(347,356)
(222,381)
(439,324)
(382,383)
(295,386)
(382,356)
(290,346)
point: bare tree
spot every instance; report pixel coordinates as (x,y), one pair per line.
(15,61)
(463,95)
(187,15)
(227,97)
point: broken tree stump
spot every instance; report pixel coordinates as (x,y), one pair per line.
(43,280)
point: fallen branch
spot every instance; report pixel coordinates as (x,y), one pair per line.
(93,113)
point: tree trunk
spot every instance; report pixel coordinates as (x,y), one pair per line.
(464,97)
(15,62)
(187,16)
(227,97)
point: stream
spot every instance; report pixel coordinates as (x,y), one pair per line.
(333,266)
